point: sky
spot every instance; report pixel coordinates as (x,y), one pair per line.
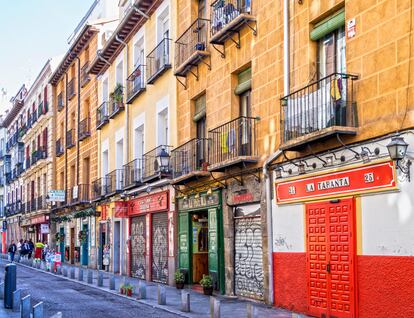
(31,32)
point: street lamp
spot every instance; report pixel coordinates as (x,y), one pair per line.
(163,160)
(397,149)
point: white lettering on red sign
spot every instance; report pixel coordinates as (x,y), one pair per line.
(334,183)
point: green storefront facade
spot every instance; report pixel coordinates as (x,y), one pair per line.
(201,238)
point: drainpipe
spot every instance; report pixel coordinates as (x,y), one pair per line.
(64,136)
(286,66)
(78,125)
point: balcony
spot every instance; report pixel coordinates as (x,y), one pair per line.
(98,190)
(29,121)
(60,102)
(71,89)
(116,102)
(34,117)
(191,47)
(42,152)
(158,60)
(33,204)
(189,161)
(233,143)
(79,194)
(229,17)
(318,111)
(102,115)
(133,173)
(70,138)
(27,164)
(59,148)
(41,203)
(135,83)
(151,165)
(35,157)
(85,77)
(114,182)
(84,128)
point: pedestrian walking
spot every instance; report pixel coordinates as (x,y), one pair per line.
(38,251)
(12,250)
(25,249)
(31,248)
(19,249)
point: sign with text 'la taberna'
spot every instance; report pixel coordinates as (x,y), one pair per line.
(367,178)
(57,195)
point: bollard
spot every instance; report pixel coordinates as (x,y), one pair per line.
(80,274)
(100,279)
(42,266)
(251,311)
(214,307)
(211,306)
(185,301)
(58,270)
(162,295)
(142,290)
(112,283)
(72,272)
(1,290)
(65,272)
(89,277)
(38,310)
(17,297)
(10,285)
(25,307)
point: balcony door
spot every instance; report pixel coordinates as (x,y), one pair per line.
(201,131)
(244,127)
(331,53)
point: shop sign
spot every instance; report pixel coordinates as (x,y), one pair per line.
(202,200)
(149,203)
(38,219)
(376,177)
(56,195)
(44,228)
(121,209)
(242,198)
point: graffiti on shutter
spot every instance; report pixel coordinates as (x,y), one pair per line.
(249,256)
(160,247)
(138,247)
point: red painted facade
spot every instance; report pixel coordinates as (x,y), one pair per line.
(289,272)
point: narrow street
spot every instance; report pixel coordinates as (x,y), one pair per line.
(75,300)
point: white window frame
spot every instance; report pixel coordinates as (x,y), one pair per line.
(162,105)
(139,122)
(161,11)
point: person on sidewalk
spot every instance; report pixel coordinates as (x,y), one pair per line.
(31,248)
(19,249)
(12,250)
(25,249)
(38,251)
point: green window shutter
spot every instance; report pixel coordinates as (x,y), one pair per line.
(200,108)
(244,81)
(328,25)
(184,244)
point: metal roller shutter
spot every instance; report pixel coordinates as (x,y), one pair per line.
(160,247)
(138,242)
(248,264)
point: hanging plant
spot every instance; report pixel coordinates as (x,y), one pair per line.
(82,236)
(59,237)
(60,219)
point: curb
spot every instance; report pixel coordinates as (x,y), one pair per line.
(169,310)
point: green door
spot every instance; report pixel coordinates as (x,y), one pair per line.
(215,249)
(84,253)
(62,244)
(184,245)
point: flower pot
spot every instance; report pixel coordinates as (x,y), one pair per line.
(179,285)
(200,46)
(122,291)
(129,292)
(208,291)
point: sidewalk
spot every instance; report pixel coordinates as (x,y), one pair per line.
(200,304)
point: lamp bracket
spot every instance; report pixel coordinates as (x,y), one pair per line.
(404,165)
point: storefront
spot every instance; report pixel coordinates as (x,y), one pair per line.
(341,232)
(149,222)
(201,238)
(39,228)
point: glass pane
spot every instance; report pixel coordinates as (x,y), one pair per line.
(341,57)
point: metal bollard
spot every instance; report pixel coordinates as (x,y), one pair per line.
(251,311)
(38,310)
(72,272)
(10,285)
(112,283)
(162,295)
(80,274)
(214,307)
(100,279)
(89,277)
(58,270)
(142,290)
(17,297)
(185,301)
(65,272)
(1,290)
(42,266)
(25,307)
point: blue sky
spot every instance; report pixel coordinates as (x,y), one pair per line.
(32,31)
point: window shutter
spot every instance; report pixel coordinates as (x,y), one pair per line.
(328,25)
(200,108)
(244,82)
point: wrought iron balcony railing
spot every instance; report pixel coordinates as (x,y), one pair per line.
(190,158)
(191,46)
(158,60)
(102,115)
(228,17)
(152,166)
(71,89)
(133,173)
(59,147)
(85,77)
(233,143)
(84,128)
(116,102)
(135,83)
(34,117)
(320,109)
(33,204)
(98,189)
(70,138)
(114,181)
(79,194)
(41,203)
(60,102)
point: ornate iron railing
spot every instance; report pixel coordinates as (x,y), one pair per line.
(84,128)
(225,11)
(135,82)
(189,157)
(158,60)
(133,173)
(102,115)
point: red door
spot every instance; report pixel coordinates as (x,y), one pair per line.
(330,258)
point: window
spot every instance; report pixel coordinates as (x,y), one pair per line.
(163,24)
(119,154)
(105,90)
(139,142)
(72,175)
(119,73)
(86,170)
(139,54)
(202,9)
(243,90)
(163,127)
(331,53)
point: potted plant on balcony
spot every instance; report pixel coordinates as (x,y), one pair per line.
(200,46)
(117,94)
(82,236)
(207,283)
(179,279)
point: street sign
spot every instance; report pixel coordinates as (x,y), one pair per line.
(56,195)
(44,228)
